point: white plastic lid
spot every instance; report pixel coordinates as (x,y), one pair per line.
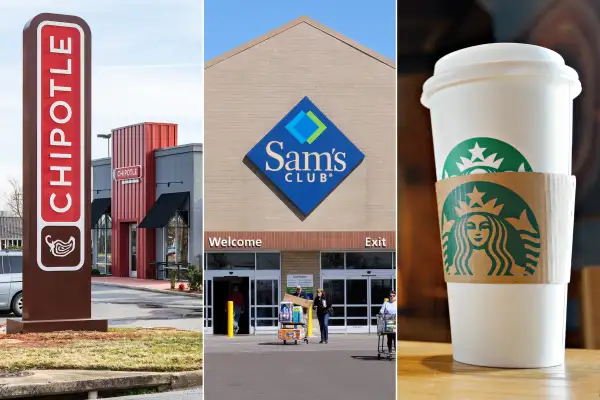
(498,59)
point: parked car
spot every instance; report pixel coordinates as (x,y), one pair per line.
(11,282)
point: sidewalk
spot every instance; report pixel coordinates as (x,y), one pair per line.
(148,285)
(59,382)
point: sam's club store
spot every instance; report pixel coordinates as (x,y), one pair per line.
(300,177)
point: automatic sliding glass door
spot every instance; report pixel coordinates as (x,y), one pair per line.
(208,309)
(357,305)
(357,299)
(336,292)
(380,289)
(265,301)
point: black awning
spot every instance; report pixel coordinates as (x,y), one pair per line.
(163,209)
(99,208)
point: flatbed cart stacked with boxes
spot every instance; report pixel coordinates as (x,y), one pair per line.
(386,325)
(293,319)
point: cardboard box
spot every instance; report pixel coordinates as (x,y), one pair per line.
(298,301)
(290,334)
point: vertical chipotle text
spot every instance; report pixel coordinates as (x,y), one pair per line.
(60,146)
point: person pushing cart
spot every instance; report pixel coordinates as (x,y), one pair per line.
(293,318)
(386,326)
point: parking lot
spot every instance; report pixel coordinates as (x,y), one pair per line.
(127,308)
(261,367)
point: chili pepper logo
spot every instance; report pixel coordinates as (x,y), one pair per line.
(60,248)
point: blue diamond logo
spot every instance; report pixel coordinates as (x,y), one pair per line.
(305,157)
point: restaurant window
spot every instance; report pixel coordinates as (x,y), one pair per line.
(176,240)
(103,245)
(11,244)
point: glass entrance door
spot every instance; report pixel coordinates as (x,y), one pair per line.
(357,305)
(208,306)
(264,296)
(379,289)
(357,298)
(265,304)
(133,250)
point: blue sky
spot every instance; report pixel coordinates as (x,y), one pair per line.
(147,65)
(231,23)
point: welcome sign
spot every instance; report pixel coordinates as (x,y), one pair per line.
(305,156)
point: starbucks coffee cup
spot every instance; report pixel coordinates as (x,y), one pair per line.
(506,246)
(502,108)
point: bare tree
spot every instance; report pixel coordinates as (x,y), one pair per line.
(14,198)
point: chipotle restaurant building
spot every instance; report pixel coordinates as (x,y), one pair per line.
(300,177)
(147,203)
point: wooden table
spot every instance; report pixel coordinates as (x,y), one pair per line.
(427,371)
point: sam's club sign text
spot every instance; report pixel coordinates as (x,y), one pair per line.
(305,156)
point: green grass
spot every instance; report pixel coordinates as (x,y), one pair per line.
(155,350)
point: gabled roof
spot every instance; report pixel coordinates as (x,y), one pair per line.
(290,25)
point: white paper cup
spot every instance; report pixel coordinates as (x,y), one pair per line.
(517,93)
(497,108)
(508,326)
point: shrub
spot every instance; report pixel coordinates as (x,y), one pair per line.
(194,277)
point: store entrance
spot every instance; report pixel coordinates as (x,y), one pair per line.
(222,287)
(357,297)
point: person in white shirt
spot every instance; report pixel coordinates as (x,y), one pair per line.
(387,309)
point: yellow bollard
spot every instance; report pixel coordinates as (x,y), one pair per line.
(230,318)
(309,322)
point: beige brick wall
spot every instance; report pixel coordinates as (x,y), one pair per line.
(247,94)
(302,262)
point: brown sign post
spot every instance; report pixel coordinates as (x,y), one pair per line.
(56,177)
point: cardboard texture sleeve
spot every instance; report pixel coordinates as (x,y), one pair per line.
(508,227)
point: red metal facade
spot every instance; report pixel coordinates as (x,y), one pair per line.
(135,145)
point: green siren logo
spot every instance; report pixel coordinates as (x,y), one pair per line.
(484,155)
(487,229)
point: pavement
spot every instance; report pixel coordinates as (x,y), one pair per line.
(54,382)
(191,394)
(149,285)
(262,368)
(128,308)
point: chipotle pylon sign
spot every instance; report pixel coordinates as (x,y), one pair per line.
(61,146)
(56,176)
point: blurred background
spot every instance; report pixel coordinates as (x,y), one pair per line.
(429,29)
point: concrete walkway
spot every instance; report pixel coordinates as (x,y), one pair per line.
(55,382)
(149,285)
(133,282)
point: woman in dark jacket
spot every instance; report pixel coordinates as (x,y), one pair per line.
(323,307)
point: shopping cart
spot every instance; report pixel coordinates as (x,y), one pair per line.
(386,325)
(292,330)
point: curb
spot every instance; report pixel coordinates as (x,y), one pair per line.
(170,381)
(145,289)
